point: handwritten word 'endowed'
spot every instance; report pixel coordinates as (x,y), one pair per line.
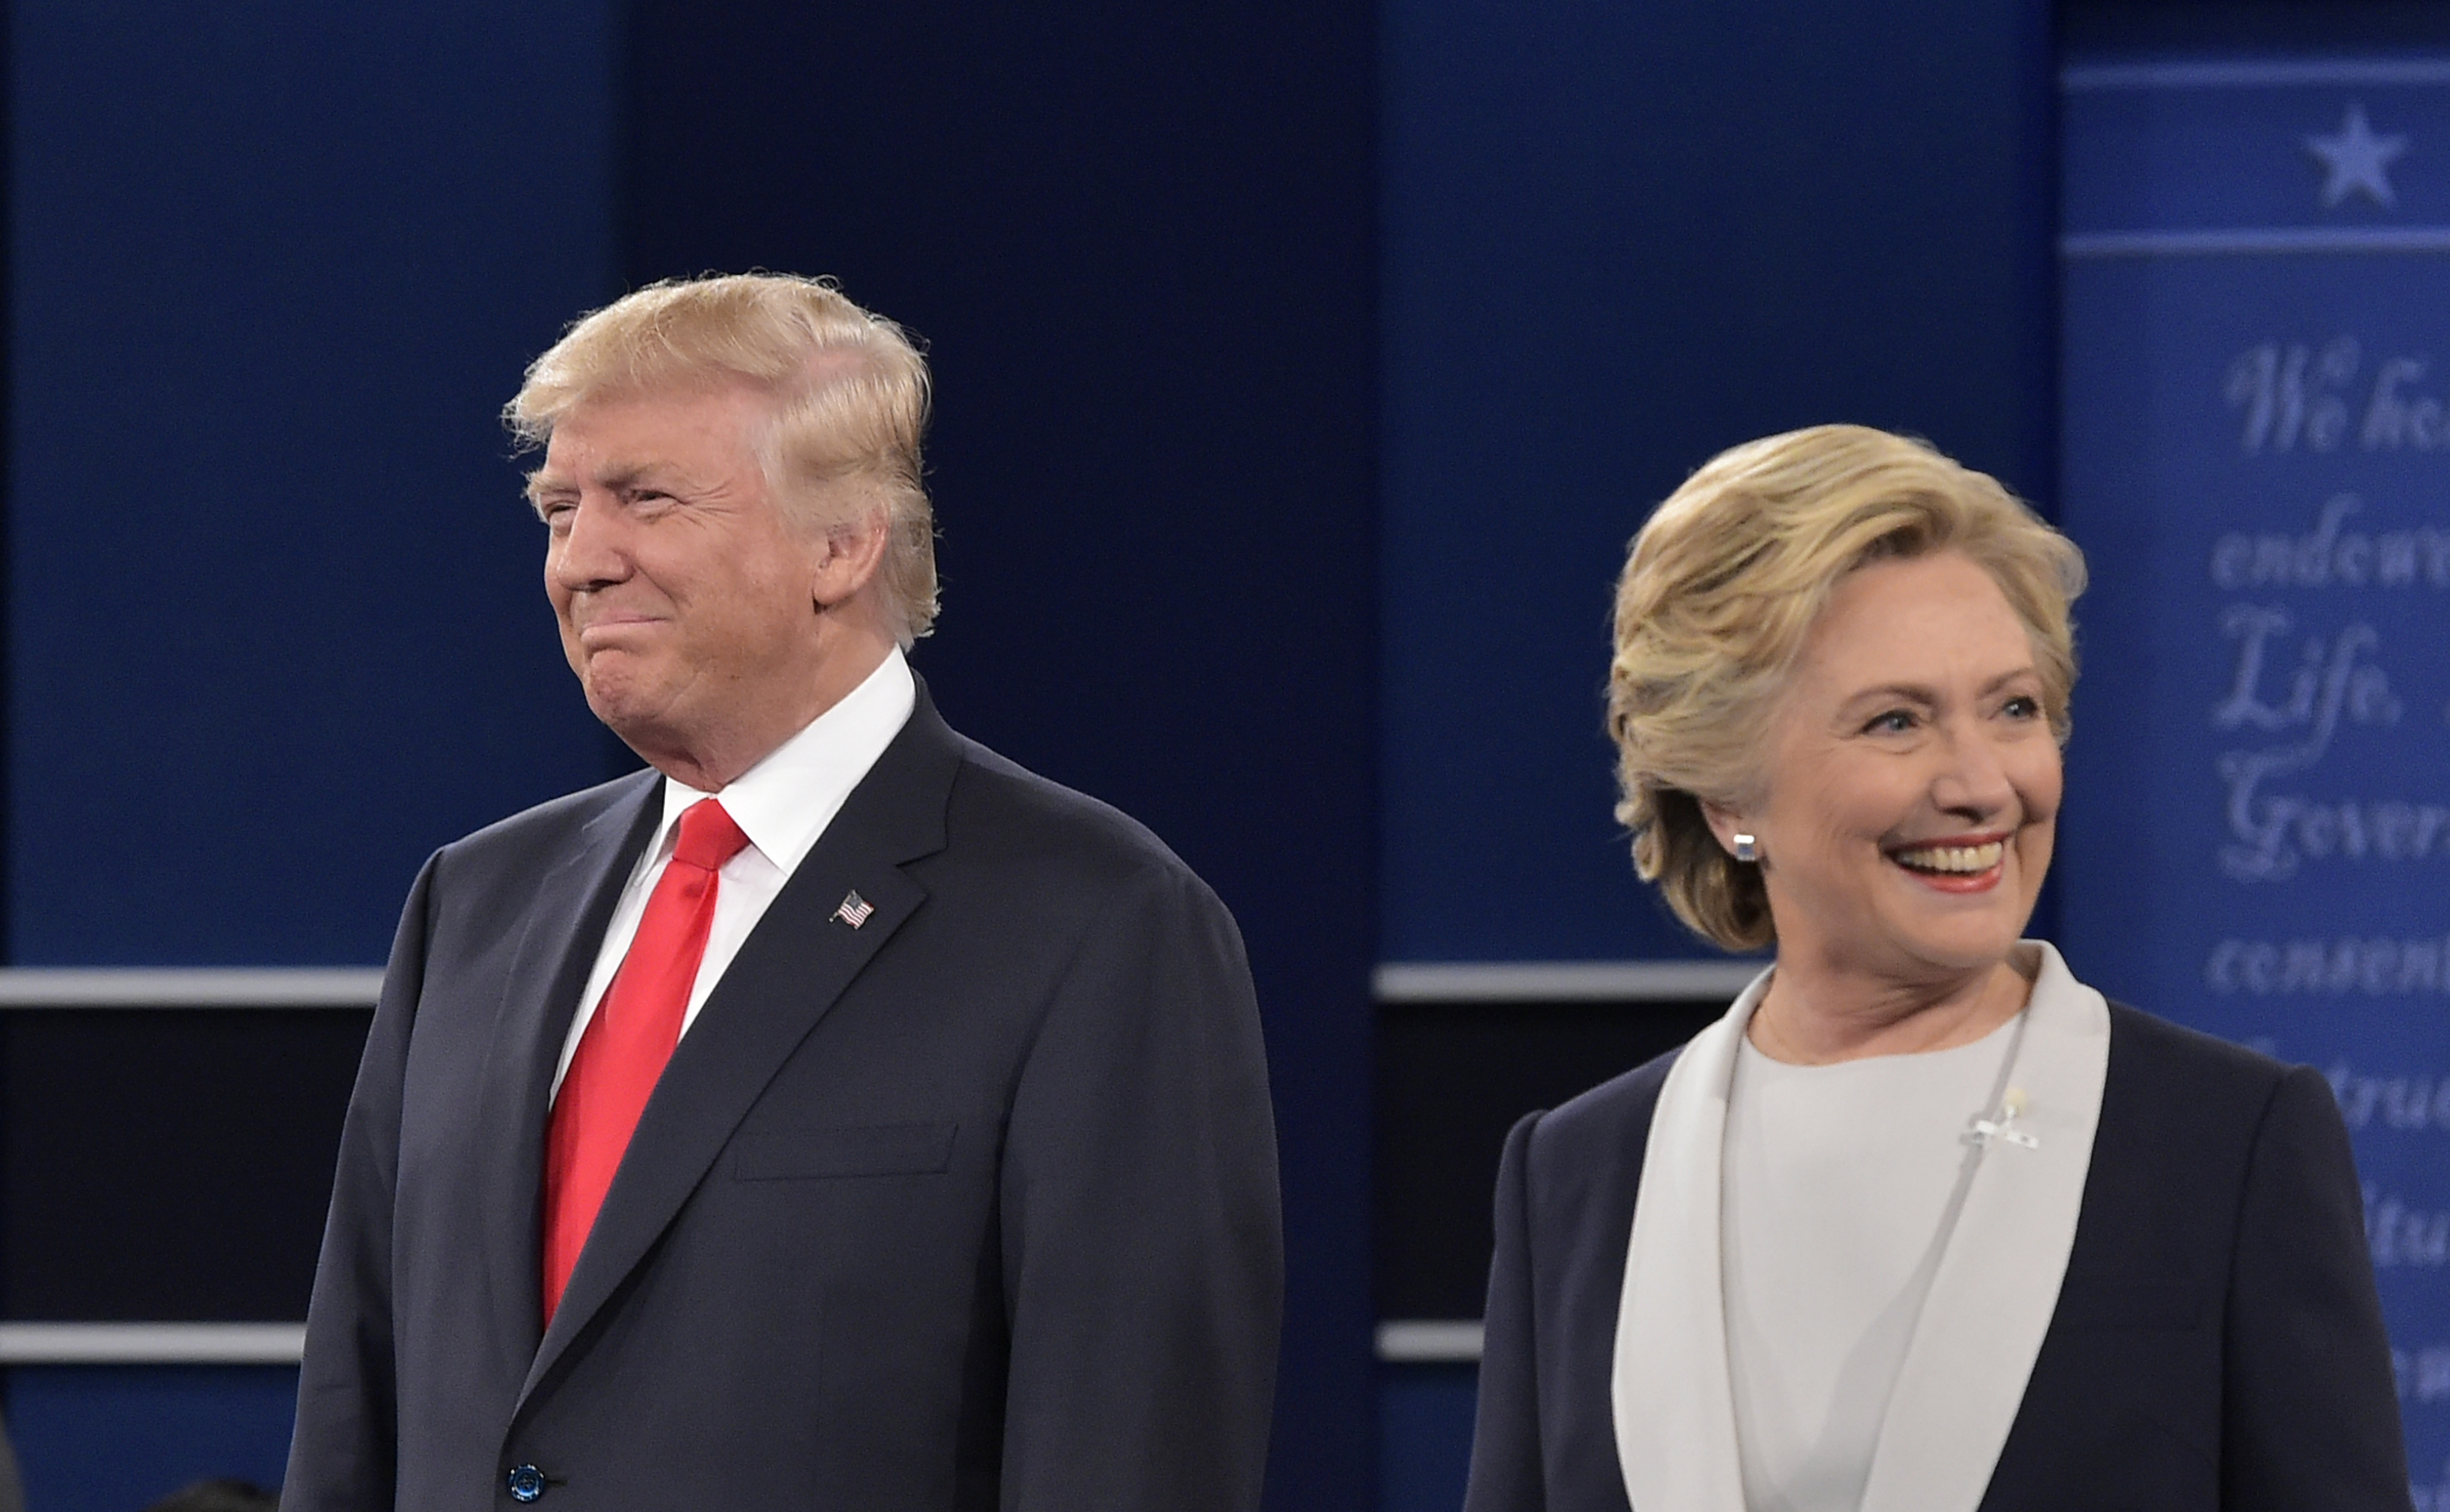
(2332,556)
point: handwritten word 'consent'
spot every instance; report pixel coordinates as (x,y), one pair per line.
(2329,556)
(2330,968)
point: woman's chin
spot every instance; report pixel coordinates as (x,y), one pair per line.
(1956,940)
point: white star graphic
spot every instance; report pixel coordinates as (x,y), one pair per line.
(2359,160)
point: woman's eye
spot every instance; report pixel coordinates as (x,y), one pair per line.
(1896,721)
(2022,707)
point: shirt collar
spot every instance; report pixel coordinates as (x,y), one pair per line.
(785,802)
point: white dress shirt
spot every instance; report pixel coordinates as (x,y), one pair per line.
(783,804)
(1839,1180)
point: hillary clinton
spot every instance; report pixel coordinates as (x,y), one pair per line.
(1922,1224)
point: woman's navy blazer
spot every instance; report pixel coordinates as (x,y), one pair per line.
(2217,1343)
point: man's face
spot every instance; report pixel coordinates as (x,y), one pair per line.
(685,596)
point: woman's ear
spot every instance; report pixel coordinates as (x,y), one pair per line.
(1735,835)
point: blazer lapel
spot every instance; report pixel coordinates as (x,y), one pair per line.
(565,923)
(1674,1405)
(1990,1300)
(789,972)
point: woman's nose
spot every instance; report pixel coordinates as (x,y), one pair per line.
(1974,778)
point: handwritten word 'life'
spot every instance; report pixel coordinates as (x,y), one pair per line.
(2328,684)
(2328,556)
(2297,395)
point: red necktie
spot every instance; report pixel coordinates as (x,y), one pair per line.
(626,1044)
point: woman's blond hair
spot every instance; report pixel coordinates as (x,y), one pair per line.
(850,390)
(1720,591)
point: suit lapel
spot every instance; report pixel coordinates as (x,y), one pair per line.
(1990,1300)
(793,967)
(565,923)
(1670,1392)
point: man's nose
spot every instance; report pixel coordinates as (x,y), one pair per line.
(591,551)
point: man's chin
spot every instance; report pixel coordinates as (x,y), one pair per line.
(630,711)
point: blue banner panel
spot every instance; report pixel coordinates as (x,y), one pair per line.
(2257,462)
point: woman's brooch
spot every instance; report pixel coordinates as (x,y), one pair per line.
(2012,1107)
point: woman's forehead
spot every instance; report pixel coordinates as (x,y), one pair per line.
(1938,619)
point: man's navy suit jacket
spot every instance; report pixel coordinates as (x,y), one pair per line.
(970,1205)
(2217,1343)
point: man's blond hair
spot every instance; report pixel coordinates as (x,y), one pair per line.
(850,393)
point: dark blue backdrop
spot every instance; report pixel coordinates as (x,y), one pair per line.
(1619,238)
(274,621)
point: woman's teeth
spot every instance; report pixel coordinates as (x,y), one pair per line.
(1953,858)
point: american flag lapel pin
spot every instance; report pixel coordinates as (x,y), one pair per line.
(854,909)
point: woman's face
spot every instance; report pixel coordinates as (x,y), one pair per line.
(1912,784)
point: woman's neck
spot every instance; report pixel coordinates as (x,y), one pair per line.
(1816,1014)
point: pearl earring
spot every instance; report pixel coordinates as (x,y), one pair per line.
(1747,848)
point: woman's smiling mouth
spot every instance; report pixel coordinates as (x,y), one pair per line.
(1958,865)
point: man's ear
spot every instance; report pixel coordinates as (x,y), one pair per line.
(848,556)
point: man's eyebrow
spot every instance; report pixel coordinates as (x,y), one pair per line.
(541,482)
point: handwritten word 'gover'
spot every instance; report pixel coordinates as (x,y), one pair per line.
(2329,556)
(2292,396)
(2334,968)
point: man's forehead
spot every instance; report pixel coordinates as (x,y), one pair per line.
(628,435)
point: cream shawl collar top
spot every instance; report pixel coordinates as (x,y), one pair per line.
(1982,1321)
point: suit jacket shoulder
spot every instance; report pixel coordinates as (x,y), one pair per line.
(1002,814)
